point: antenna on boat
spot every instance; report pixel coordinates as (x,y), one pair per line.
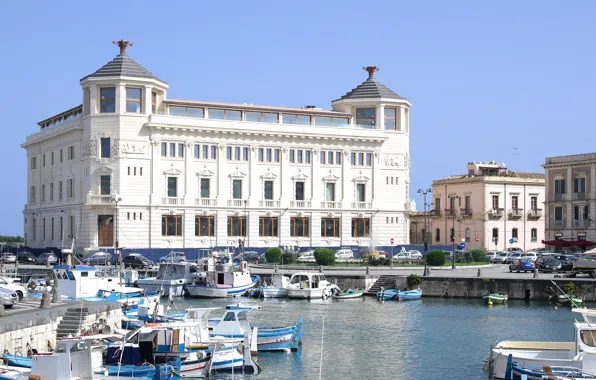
(321,360)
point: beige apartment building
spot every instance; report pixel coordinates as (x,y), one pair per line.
(489,207)
(571,192)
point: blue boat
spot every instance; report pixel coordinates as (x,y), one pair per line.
(399,295)
(145,370)
(16,361)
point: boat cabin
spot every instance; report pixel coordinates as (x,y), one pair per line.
(234,323)
(308,280)
(70,360)
(177,271)
(82,281)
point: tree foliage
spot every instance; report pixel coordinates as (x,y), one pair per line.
(324,256)
(273,254)
(436,258)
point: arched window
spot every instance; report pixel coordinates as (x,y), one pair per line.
(468,234)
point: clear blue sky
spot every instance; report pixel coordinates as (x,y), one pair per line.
(483,77)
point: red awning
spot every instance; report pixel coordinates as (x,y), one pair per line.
(569,243)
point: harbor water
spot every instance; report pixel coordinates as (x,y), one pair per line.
(424,339)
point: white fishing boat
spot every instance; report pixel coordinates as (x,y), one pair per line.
(171,279)
(277,289)
(553,354)
(222,280)
(307,285)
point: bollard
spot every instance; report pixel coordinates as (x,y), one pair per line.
(45,300)
(276,269)
(56,297)
(320,269)
(367,270)
(479,273)
(535,273)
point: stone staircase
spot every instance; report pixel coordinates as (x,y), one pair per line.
(386,281)
(72,321)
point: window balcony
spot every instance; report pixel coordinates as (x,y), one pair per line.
(435,213)
(516,213)
(362,205)
(535,213)
(580,196)
(495,213)
(449,213)
(466,212)
(205,201)
(330,204)
(557,224)
(581,223)
(300,204)
(558,197)
(99,199)
(235,202)
(172,201)
(269,203)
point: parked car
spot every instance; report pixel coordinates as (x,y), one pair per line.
(46,258)
(566,261)
(512,257)
(530,255)
(250,256)
(522,265)
(8,257)
(306,257)
(26,257)
(490,255)
(515,249)
(344,254)
(548,264)
(137,261)
(99,258)
(8,297)
(408,256)
(500,257)
(174,257)
(9,284)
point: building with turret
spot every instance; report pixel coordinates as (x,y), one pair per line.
(130,167)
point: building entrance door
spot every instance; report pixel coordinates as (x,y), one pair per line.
(105,230)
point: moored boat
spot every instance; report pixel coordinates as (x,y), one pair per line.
(277,289)
(16,361)
(305,285)
(222,280)
(349,294)
(409,295)
(570,299)
(495,298)
(399,295)
(171,279)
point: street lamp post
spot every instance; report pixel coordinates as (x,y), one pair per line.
(453,228)
(245,222)
(424,193)
(116,199)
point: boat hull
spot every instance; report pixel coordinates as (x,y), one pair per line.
(306,293)
(165,288)
(349,295)
(207,291)
(495,299)
(274,293)
(533,354)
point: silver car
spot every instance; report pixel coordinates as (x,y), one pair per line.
(500,258)
(8,297)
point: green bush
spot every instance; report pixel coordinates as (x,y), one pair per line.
(436,258)
(373,261)
(287,258)
(273,255)
(479,255)
(324,256)
(414,280)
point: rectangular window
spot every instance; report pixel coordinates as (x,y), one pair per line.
(323,157)
(52,158)
(534,234)
(236,226)
(172,186)
(43,193)
(237,153)
(324,121)
(581,212)
(60,190)
(353,158)
(105,147)
(133,100)
(34,232)
(135,170)
(559,186)
(330,192)
(180,150)
(468,203)
(51,192)
(534,203)
(205,187)
(579,185)
(299,191)
(307,156)
(197,151)
(268,227)
(368,159)
(276,155)
(262,117)
(164,149)
(237,189)
(141,170)
(296,119)
(365,117)
(514,202)
(292,155)
(452,234)
(514,233)
(71,152)
(244,154)
(391,119)
(32,194)
(495,202)
(33,163)
(229,152)
(72,226)
(559,213)
(108,100)
(171,225)
(204,226)
(329,158)
(172,149)
(360,192)
(61,156)
(299,156)
(299,227)
(43,160)
(129,170)
(213,152)
(44,228)
(70,188)
(61,227)
(105,185)
(360,159)
(438,235)
(153,102)
(330,227)
(52,229)
(268,190)
(224,114)
(360,227)
(338,158)
(261,156)
(205,151)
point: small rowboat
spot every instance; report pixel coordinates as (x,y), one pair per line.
(349,294)
(395,294)
(570,298)
(495,298)
(17,361)
(409,295)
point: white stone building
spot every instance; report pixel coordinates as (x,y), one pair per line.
(130,165)
(488,208)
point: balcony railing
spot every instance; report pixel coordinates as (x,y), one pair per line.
(516,213)
(557,224)
(581,223)
(100,199)
(435,213)
(269,203)
(235,203)
(330,204)
(557,197)
(362,205)
(172,201)
(495,213)
(466,212)
(535,213)
(449,213)
(300,204)
(205,201)
(580,196)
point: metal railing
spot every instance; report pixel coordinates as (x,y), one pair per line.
(581,223)
(516,213)
(466,212)
(535,213)
(557,197)
(580,196)
(449,213)
(557,224)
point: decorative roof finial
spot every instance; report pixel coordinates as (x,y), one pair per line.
(371,71)
(122,44)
